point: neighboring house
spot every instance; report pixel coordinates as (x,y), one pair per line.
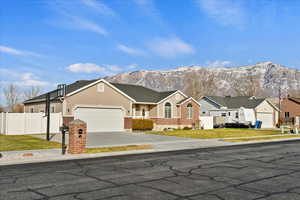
(232,109)
(290,108)
(109,106)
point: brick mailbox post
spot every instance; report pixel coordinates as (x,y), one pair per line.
(77,137)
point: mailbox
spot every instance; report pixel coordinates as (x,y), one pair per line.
(77,137)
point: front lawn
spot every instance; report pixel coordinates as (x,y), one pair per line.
(25,142)
(217,133)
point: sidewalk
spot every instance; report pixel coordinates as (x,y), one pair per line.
(35,156)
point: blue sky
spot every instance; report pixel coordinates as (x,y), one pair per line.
(46,42)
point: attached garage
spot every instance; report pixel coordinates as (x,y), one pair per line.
(267,120)
(101,119)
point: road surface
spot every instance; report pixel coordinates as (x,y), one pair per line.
(259,172)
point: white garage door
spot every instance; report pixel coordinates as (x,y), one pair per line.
(101,119)
(267,120)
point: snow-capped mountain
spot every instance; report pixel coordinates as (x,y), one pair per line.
(268,75)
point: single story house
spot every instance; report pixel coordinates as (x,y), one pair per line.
(233,109)
(107,106)
(290,108)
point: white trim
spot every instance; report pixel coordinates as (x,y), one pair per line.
(165,110)
(98,81)
(97,106)
(272,105)
(145,103)
(190,98)
(178,91)
(269,104)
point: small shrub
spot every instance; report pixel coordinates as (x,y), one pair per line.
(142,124)
(187,128)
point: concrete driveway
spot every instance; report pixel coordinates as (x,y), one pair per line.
(124,138)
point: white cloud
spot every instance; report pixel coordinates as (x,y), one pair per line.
(85,67)
(170,47)
(74,16)
(225,12)
(10,50)
(132,66)
(22,79)
(94,68)
(99,6)
(32,82)
(129,50)
(114,68)
(83,24)
(218,63)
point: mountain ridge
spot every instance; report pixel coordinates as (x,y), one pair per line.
(266,74)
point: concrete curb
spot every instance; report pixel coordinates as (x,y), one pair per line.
(149,152)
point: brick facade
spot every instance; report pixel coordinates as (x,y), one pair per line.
(77,137)
(182,121)
(291,106)
(128,123)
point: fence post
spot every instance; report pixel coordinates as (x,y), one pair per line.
(6,123)
(24,123)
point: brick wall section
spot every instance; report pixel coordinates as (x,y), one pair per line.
(67,120)
(183,118)
(77,142)
(184,112)
(127,123)
(290,106)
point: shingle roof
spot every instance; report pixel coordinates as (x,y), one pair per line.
(237,102)
(137,92)
(53,94)
(297,100)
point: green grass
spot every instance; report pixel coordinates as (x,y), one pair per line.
(262,138)
(25,142)
(118,148)
(217,133)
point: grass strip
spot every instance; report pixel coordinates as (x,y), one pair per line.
(217,133)
(118,148)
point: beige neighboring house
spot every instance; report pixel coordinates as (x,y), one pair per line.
(110,107)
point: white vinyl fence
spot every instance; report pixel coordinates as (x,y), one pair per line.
(28,123)
(207,122)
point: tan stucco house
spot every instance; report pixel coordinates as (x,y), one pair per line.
(109,106)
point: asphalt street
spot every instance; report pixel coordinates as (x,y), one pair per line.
(258,172)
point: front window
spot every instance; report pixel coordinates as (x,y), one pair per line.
(237,115)
(190,111)
(287,115)
(223,114)
(143,113)
(168,110)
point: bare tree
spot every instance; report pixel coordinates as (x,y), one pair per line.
(32,92)
(18,108)
(200,83)
(1,109)
(12,95)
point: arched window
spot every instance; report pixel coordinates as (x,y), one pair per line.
(168,110)
(190,111)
